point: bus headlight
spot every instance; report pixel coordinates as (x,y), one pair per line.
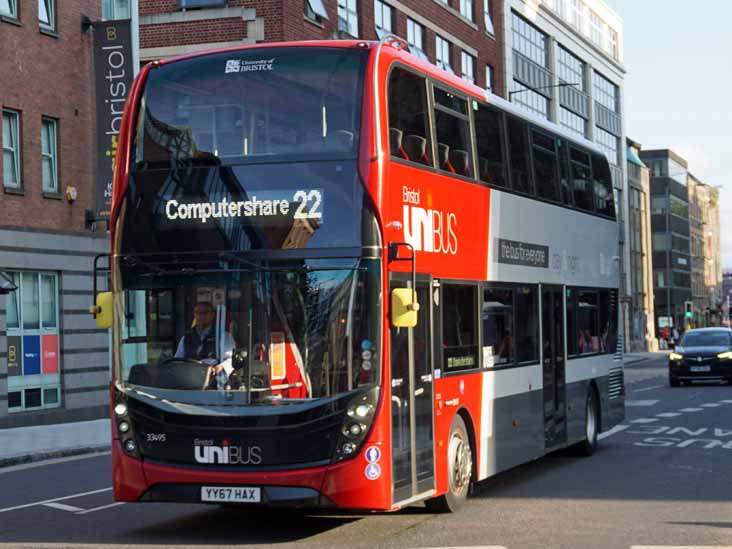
(120,409)
(356,424)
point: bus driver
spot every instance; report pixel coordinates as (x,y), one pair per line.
(200,342)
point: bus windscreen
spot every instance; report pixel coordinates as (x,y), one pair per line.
(269,104)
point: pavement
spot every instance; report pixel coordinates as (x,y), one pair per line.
(41,442)
(38,443)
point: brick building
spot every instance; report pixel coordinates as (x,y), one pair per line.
(465,36)
(53,360)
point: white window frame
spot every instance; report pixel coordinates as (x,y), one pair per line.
(442,53)
(576,14)
(596,25)
(415,38)
(489,78)
(487,19)
(318,9)
(383,18)
(348,15)
(467,67)
(467,9)
(9,8)
(49,6)
(40,381)
(116,9)
(50,155)
(13,119)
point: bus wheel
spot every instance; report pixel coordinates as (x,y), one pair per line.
(459,470)
(588,446)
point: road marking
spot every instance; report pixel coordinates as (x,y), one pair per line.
(25,506)
(726,401)
(611,432)
(691,409)
(86,511)
(668,414)
(710,405)
(63,507)
(640,402)
(648,389)
(645,420)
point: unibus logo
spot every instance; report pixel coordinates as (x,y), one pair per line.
(206,452)
(428,230)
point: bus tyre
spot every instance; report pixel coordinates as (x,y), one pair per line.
(459,470)
(592,420)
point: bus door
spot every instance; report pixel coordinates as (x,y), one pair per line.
(552,335)
(411,399)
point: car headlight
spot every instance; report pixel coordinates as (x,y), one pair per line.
(727,355)
(675,356)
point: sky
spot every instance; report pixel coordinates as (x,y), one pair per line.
(678,87)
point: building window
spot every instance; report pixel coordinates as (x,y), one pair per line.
(570,69)
(606,93)
(467,67)
(415,38)
(47,14)
(315,11)
(382,17)
(530,100)
(596,25)
(609,144)
(572,122)
(442,53)
(9,8)
(576,12)
(529,41)
(116,9)
(32,334)
(11,149)
(186,4)
(612,43)
(466,9)
(487,17)
(348,17)
(489,77)
(559,8)
(49,155)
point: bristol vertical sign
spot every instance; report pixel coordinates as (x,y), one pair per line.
(113,74)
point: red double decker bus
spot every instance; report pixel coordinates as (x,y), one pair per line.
(341,277)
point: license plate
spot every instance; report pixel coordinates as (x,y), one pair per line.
(700,368)
(231,494)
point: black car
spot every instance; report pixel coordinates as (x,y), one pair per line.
(703,354)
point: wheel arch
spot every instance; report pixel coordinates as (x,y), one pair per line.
(470,427)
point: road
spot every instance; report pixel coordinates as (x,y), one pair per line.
(663,478)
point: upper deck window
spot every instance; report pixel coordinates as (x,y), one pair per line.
(452,130)
(409,135)
(252,105)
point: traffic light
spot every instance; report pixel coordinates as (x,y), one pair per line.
(688,309)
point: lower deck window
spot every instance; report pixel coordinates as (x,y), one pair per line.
(459,327)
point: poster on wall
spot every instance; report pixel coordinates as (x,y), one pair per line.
(31,355)
(15,356)
(49,354)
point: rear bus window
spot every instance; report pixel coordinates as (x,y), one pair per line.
(579,166)
(408,121)
(603,186)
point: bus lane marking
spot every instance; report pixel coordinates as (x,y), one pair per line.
(611,432)
(100,508)
(648,389)
(633,403)
(63,507)
(668,414)
(682,437)
(645,420)
(54,500)
(691,410)
(725,401)
(711,405)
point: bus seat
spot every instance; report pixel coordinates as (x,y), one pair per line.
(460,161)
(339,140)
(416,148)
(395,143)
(443,151)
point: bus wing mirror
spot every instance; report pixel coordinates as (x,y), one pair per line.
(102,311)
(404,308)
